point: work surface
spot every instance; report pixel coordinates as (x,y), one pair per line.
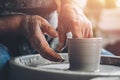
(34,67)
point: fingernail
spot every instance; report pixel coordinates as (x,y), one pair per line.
(56,34)
(59,49)
(62,59)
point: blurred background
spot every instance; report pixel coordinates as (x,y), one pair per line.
(105,17)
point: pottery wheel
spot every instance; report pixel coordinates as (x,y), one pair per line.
(34,67)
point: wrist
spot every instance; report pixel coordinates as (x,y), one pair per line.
(62,3)
(66,1)
(76,3)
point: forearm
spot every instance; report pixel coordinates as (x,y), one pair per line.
(10,23)
(61,3)
(67,1)
(71,2)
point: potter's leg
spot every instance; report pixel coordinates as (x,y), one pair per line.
(4,57)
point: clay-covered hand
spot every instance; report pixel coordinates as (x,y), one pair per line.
(72,19)
(33,28)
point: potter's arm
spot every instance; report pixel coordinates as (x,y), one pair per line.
(10,23)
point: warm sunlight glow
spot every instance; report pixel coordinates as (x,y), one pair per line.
(118,3)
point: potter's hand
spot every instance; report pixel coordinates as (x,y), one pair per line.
(33,28)
(72,19)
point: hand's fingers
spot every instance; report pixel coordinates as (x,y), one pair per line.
(43,48)
(46,27)
(81,30)
(38,40)
(88,31)
(62,38)
(90,34)
(62,41)
(76,30)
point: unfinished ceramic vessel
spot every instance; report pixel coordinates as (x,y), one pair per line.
(84,54)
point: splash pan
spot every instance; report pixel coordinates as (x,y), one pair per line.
(34,67)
